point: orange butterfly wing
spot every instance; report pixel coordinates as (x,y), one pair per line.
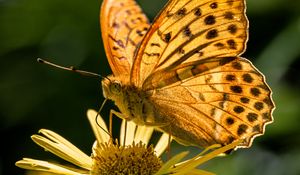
(123,25)
(190,60)
(187,31)
(227,103)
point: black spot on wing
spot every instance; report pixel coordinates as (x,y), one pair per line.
(228,15)
(245,100)
(238,109)
(236,89)
(248,78)
(213,5)
(232,29)
(167,37)
(187,31)
(258,106)
(229,121)
(242,129)
(181,12)
(255,92)
(198,12)
(230,77)
(210,20)
(252,117)
(212,34)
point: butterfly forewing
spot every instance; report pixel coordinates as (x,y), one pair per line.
(191,30)
(123,25)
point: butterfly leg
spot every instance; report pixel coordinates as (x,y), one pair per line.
(121,116)
(118,114)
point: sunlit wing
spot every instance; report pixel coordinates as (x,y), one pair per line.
(123,25)
(227,103)
(186,74)
(190,30)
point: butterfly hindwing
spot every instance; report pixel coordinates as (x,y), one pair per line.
(223,104)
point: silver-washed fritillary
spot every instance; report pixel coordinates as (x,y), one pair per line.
(183,74)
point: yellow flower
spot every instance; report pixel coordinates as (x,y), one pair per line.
(108,157)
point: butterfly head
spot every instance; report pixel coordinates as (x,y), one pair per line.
(111,87)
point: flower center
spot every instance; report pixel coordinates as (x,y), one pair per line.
(111,158)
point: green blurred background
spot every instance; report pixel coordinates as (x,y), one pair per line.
(34,96)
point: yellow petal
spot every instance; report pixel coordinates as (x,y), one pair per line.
(200,172)
(162,144)
(165,169)
(38,165)
(143,133)
(101,131)
(62,148)
(129,134)
(198,160)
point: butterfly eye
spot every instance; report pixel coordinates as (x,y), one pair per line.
(116,87)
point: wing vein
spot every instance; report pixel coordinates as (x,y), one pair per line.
(213,119)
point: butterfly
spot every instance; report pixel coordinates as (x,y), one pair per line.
(183,74)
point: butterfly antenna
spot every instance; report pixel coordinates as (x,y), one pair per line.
(72,69)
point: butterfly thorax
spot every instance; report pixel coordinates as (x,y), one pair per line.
(132,102)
